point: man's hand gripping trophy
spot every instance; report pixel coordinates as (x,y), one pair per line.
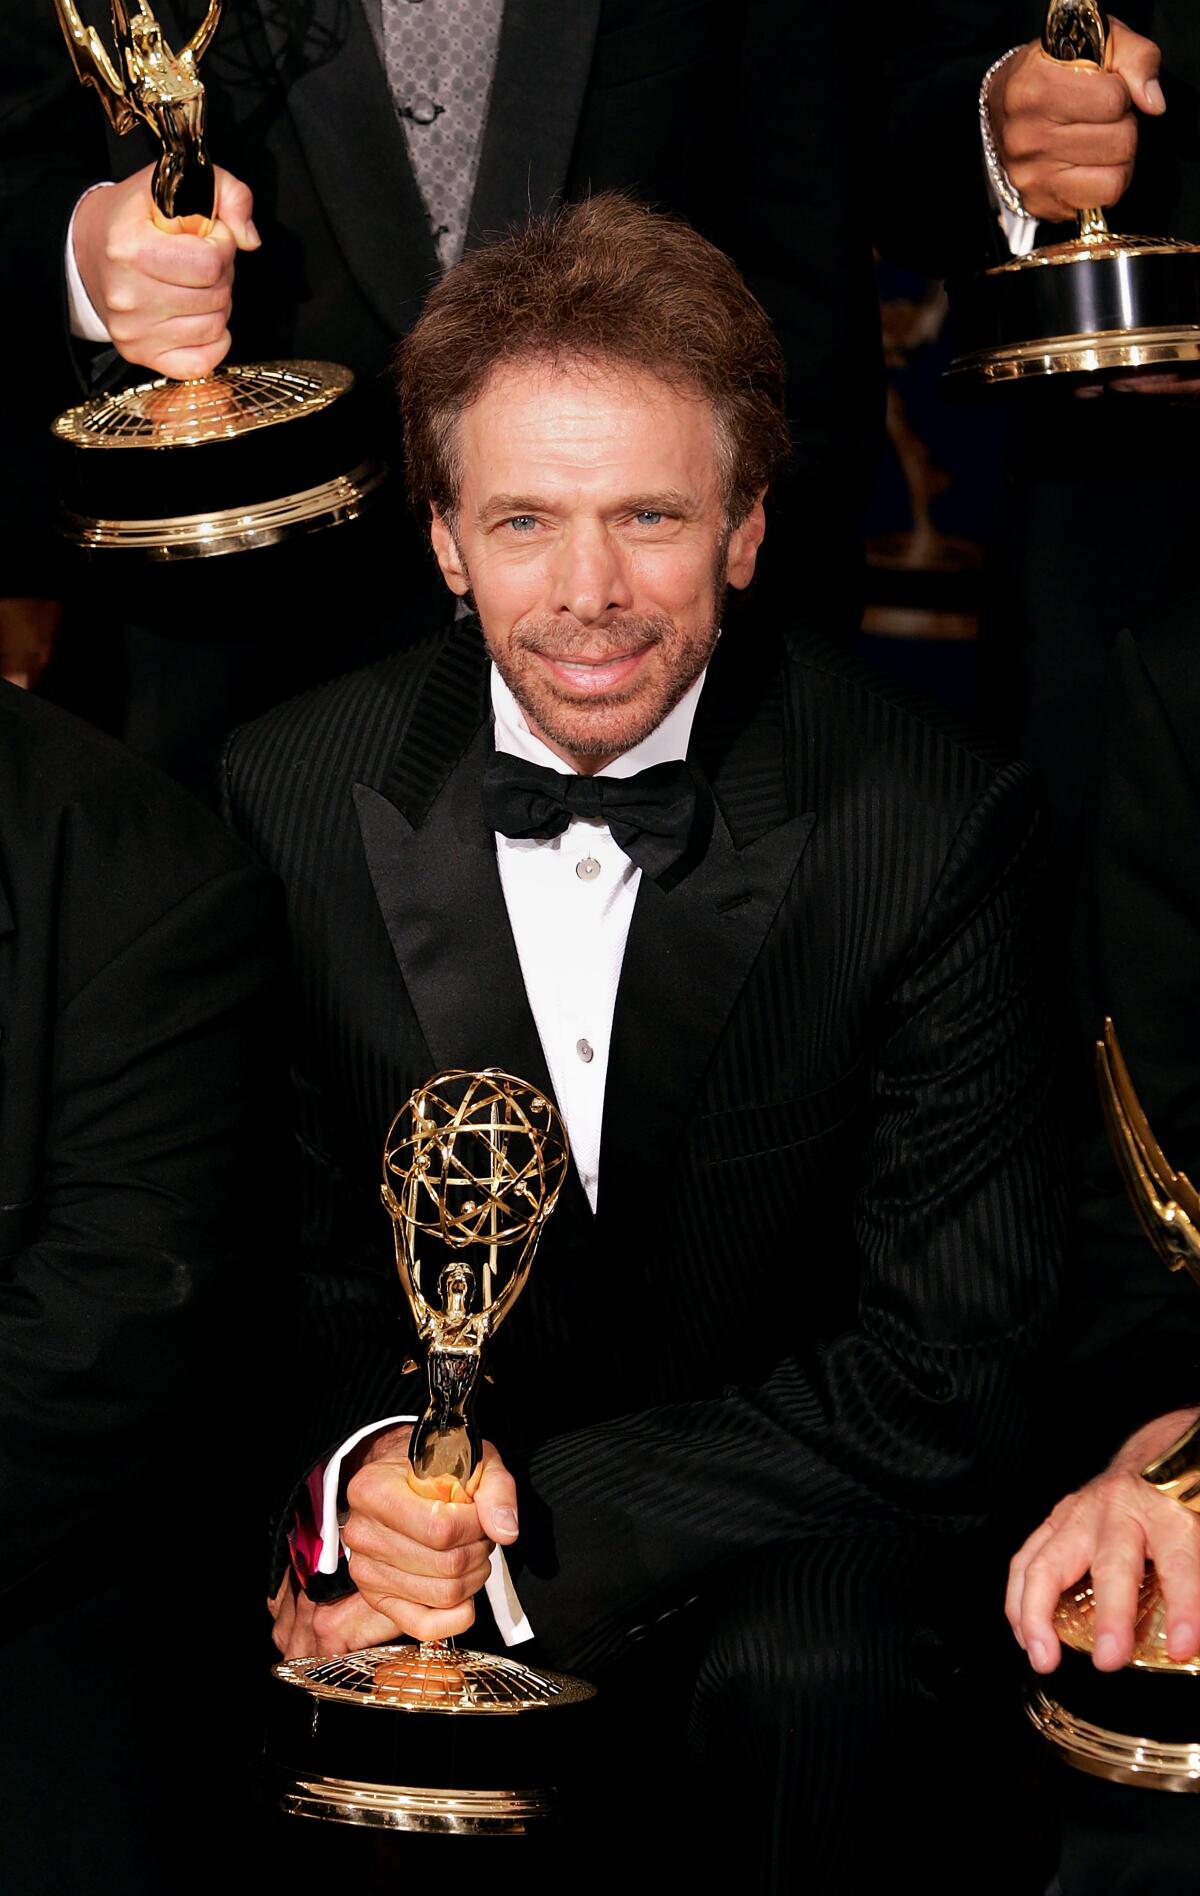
(156,252)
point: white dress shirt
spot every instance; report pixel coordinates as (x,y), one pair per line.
(570,902)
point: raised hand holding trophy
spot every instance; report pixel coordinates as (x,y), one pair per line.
(1100,302)
(231,481)
(472,1169)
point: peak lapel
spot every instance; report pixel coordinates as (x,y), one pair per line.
(542,66)
(692,945)
(337,94)
(432,862)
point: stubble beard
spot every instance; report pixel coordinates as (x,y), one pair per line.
(604,728)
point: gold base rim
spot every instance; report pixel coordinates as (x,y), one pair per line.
(1078,355)
(426,1809)
(474,1684)
(1117,1756)
(1093,250)
(231,529)
(164,413)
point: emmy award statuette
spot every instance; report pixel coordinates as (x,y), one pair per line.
(1140,1725)
(242,458)
(429,1737)
(1096,303)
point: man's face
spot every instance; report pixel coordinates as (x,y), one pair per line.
(591,530)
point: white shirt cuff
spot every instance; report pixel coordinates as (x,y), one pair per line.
(86,325)
(1020,230)
(1020,233)
(507,1611)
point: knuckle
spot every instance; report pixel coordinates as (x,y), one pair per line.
(443,1530)
(454,1562)
(367,1490)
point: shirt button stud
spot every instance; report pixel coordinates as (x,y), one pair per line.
(585,1050)
(587,869)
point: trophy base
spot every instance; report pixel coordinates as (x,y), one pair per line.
(243,458)
(430,1811)
(1098,1721)
(1081,310)
(440,1768)
(1105,1751)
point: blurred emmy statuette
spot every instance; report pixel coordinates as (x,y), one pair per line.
(1140,1725)
(243,458)
(431,1737)
(1097,303)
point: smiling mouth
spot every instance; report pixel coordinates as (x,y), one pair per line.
(589,677)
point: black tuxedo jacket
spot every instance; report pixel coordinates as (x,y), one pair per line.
(826,1241)
(743,120)
(133,967)
(1133,1348)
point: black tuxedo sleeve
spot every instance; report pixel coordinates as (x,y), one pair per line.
(127,1311)
(1134,1344)
(911,1420)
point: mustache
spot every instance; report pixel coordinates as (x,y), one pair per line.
(616,638)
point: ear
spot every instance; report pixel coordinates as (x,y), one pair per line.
(744,542)
(446,552)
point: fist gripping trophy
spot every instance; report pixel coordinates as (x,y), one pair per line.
(241,484)
(472,1168)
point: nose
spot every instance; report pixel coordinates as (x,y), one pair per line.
(589,576)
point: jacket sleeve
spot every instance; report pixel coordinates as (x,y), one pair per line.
(128,1301)
(1132,1349)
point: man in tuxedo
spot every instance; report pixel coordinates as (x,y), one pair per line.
(134,964)
(1094,530)
(765,934)
(378,138)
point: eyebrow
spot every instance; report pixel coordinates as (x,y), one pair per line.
(667,501)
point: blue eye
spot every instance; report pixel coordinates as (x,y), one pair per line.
(522,523)
(648,517)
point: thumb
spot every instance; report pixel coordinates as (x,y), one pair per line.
(235,208)
(1136,61)
(496,1499)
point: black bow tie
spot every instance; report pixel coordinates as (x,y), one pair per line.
(649,815)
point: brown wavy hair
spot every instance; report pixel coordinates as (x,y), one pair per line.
(608,280)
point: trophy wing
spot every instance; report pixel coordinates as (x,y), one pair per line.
(201,39)
(94,68)
(1165,1200)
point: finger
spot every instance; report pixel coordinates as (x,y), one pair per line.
(172,333)
(284,1624)
(1015,1589)
(1173,1541)
(380,1492)
(349,1624)
(1103,147)
(496,1499)
(1059,1564)
(1079,186)
(366,1538)
(1137,61)
(380,1583)
(1118,1567)
(235,208)
(185,365)
(1069,92)
(181,262)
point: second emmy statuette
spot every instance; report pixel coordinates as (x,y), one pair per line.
(472,1169)
(1140,1725)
